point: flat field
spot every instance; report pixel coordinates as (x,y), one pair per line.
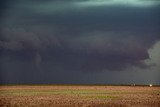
(79,96)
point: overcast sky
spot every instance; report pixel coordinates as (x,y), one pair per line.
(80,41)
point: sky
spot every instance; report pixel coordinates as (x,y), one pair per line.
(79,42)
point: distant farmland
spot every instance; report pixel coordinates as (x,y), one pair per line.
(79,96)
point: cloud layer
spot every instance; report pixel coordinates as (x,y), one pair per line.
(78,37)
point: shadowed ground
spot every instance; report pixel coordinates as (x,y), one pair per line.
(79,96)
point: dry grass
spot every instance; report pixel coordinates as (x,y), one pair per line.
(79,96)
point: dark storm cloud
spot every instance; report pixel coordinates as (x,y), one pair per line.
(69,36)
(33,39)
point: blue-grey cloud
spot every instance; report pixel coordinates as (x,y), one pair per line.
(66,37)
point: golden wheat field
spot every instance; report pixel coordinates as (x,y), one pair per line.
(79,96)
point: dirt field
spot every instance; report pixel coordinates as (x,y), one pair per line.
(79,96)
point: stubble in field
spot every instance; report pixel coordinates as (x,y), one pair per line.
(79,96)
